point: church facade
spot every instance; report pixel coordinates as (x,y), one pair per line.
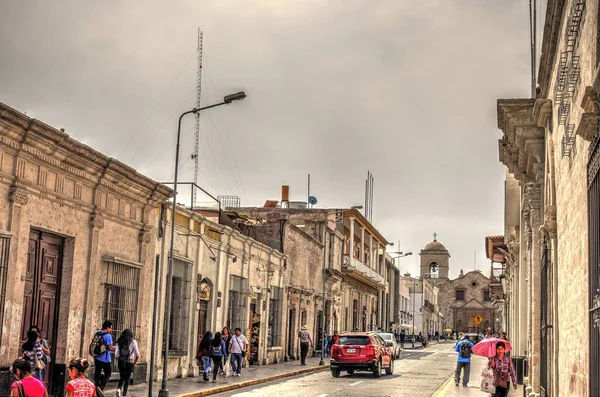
(460,301)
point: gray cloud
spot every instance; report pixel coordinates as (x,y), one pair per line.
(404,89)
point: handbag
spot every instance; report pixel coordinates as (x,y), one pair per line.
(238,343)
(39,364)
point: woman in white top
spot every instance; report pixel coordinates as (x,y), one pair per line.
(127,354)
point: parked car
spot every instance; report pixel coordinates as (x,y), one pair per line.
(361,351)
(390,340)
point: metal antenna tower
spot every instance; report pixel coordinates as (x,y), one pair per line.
(197,134)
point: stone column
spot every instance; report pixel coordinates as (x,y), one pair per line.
(371,256)
(362,245)
(351,244)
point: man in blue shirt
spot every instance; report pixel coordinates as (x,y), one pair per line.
(102,362)
(464,350)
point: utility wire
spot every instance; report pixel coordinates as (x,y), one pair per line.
(156,106)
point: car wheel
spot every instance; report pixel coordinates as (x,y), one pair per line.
(377,370)
(350,372)
(335,372)
(390,369)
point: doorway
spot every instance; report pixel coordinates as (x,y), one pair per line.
(291,333)
(42,289)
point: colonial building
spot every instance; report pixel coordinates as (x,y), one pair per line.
(549,146)
(459,301)
(77,242)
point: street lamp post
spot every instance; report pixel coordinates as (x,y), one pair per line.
(164,392)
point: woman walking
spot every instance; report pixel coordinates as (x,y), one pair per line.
(203,354)
(503,369)
(79,386)
(127,353)
(227,339)
(217,351)
(26,384)
(33,348)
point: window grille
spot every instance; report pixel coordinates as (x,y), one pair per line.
(236,309)
(180,304)
(4,254)
(121,297)
(276,301)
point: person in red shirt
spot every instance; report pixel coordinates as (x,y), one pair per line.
(79,386)
(25,383)
(334,338)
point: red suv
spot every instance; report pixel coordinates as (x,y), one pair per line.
(361,351)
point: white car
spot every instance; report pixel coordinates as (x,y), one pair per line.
(390,340)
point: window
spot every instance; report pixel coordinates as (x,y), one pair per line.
(487,296)
(180,305)
(274,332)
(460,295)
(355,315)
(121,296)
(4,253)
(236,310)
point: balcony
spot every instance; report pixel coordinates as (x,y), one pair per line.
(428,305)
(497,273)
(353,266)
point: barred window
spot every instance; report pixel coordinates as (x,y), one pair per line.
(4,253)
(121,296)
(276,302)
(236,309)
(180,305)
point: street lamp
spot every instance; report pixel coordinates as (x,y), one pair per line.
(238,96)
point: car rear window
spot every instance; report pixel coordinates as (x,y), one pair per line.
(387,336)
(354,340)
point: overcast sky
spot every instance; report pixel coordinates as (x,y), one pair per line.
(406,89)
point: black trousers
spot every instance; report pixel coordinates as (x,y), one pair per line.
(303,352)
(125,371)
(216,365)
(101,374)
(501,391)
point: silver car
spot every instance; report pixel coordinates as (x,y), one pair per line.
(390,340)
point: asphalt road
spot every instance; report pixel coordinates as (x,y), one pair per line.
(418,373)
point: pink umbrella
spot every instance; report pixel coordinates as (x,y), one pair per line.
(487,347)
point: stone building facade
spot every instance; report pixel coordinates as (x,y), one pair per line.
(77,231)
(549,146)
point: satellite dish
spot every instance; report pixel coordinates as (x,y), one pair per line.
(312,200)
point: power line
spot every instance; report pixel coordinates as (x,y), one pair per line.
(155,106)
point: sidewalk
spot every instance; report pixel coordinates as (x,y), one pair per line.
(477,364)
(195,387)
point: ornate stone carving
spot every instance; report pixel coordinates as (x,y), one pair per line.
(588,126)
(145,235)
(542,111)
(97,221)
(550,220)
(532,195)
(18,196)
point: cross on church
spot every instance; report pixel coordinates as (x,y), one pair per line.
(434,236)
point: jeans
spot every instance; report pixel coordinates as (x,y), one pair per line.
(39,374)
(125,371)
(217,364)
(236,362)
(99,379)
(466,373)
(206,362)
(303,352)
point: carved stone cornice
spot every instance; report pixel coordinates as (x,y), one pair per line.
(145,235)
(97,221)
(549,225)
(532,195)
(550,40)
(542,111)
(18,195)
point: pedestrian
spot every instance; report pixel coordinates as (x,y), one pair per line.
(25,384)
(237,350)
(226,335)
(503,336)
(217,351)
(33,349)
(305,339)
(437,336)
(326,344)
(44,344)
(402,337)
(203,354)
(79,386)
(463,348)
(504,371)
(335,338)
(101,346)
(127,353)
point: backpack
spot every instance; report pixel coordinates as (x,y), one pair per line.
(465,349)
(124,354)
(97,345)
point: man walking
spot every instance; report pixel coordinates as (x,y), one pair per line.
(463,348)
(305,339)
(237,347)
(402,337)
(102,360)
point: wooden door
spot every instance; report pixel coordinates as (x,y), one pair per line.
(202,318)
(42,285)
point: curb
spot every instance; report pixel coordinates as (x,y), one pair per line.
(443,389)
(253,382)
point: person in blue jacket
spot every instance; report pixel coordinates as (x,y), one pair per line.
(217,352)
(464,348)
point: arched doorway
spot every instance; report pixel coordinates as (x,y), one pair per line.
(204,296)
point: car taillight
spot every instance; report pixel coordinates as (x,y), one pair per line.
(335,350)
(370,351)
